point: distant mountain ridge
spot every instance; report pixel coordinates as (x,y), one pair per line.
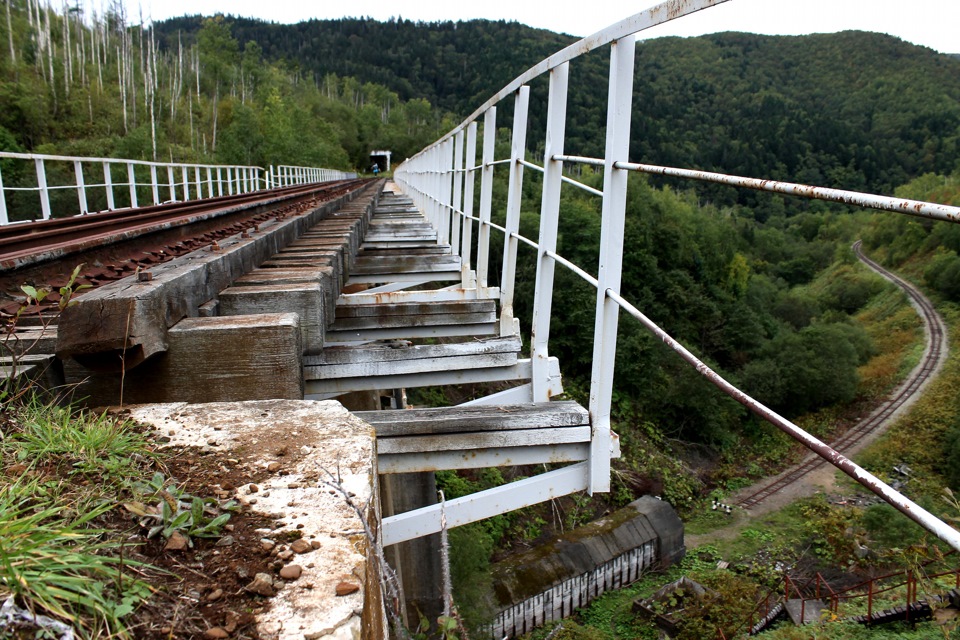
(853,109)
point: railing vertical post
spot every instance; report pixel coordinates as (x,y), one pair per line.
(270,180)
(209,182)
(81,188)
(457,203)
(154,185)
(108,185)
(619,103)
(172,183)
(42,187)
(444,191)
(219,181)
(549,221)
(469,277)
(198,182)
(486,198)
(132,184)
(4,218)
(518,145)
(186,183)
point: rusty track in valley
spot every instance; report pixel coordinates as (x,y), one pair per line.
(936,333)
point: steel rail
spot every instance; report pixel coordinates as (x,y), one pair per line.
(17,241)
(928,367)
(900,502)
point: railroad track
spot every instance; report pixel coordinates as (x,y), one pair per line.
(936,332)
(116,244)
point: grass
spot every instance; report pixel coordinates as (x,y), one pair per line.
(54,560)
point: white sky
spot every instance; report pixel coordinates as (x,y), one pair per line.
(933,23)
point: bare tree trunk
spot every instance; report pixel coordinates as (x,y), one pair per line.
(123,89)
(13,53)
(216,97)
(68,57)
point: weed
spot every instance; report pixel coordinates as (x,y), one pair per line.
(176,511)
(89,444)
(57,565)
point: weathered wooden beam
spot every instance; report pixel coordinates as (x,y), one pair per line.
(221,359)
(323,276)
(120,325)
(486,440)
(386,353)
(401,297)
(304,299)
(417,309)
(531,415)
(323,389)
(353,337)
(482,458)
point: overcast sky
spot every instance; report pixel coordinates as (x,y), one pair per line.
(933,23)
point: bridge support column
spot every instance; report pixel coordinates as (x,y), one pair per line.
(417,562)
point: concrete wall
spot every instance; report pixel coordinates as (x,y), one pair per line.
(550,582)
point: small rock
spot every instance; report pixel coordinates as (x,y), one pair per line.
(225,541)
(266,494)
(285,555)
(215,633)
(346,588)
(291,572)
(273,467)
(262,585)
(229,527)
(212,442)
(300,546)
(314,544)
(267,544)
(214,595)
(176,542)
(253,488)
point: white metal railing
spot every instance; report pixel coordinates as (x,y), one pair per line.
(441,179)
(38,183)
(285,175)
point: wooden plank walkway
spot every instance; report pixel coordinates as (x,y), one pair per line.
(376,339)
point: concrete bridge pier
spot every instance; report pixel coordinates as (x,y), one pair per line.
(416,562)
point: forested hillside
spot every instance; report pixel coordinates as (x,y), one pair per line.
(93,86)
(861,110)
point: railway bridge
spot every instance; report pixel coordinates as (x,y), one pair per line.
(290,285)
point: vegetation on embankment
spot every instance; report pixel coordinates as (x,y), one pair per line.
(844,536)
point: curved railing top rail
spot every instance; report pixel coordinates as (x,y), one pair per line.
(652,17)
(193,181)
(145,163)
(435,177)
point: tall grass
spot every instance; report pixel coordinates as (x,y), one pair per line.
(54,560)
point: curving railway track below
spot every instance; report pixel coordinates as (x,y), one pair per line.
(934,354)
